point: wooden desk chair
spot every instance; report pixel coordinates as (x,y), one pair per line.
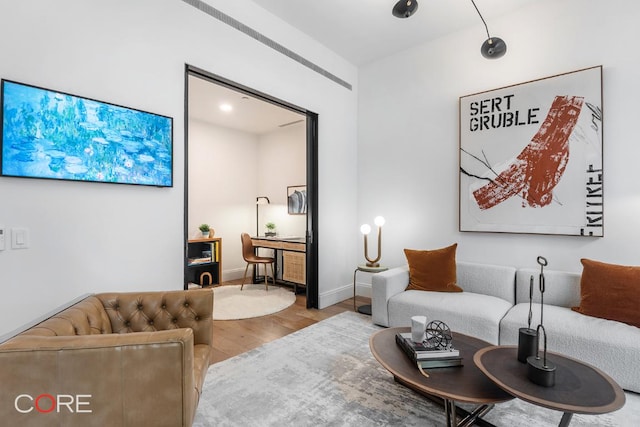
(249,255)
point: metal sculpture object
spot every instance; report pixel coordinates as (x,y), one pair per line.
(527,337)
(437,335)
(540,370)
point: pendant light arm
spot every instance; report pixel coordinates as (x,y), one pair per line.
(483,21)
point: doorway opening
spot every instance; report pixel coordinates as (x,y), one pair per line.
(289,118)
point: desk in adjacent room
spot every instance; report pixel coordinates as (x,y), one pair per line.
(293,252)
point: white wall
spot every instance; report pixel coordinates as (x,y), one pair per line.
(408,131)
(98,237)
(228,169)
(223,183)
(282,163)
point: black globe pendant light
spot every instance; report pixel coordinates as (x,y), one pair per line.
(493,47)
(405,8)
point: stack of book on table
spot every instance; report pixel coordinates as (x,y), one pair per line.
(426,357)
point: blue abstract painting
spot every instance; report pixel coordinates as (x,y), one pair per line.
(49,134)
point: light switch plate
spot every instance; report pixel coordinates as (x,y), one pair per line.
(19,238)
(3,235)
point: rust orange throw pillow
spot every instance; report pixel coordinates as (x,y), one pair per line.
(610,291)
(433,270)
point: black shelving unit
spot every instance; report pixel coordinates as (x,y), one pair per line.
(203,262)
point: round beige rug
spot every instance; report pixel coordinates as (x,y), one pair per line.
(229,303)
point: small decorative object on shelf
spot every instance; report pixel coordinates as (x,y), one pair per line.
(540,370)
(206,279)
(271,229)
(205,230)
(527,337)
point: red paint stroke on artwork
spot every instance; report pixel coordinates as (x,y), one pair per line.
(540,165)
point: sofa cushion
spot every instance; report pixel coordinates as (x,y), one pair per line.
(433,270)
(610,291)
(469,313)
(561,288)
(487,279)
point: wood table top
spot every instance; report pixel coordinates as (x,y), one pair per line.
(579,387)
(463,383)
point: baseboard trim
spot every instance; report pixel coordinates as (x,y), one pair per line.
(233,274)
(326,299)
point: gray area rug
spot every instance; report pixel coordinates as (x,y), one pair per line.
(325,375)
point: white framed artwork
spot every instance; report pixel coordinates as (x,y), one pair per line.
(530,157)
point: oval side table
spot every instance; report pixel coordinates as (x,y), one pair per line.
(580,388)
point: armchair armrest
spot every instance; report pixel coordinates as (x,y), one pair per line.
(383,286)
(143,378)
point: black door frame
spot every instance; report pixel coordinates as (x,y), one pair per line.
(312,291)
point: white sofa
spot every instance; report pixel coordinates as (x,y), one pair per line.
(495,305)
(488,295)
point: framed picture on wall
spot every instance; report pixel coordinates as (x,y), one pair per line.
(531,157)
(50,134)
(297,199)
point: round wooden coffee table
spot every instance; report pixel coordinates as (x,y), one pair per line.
(579,388)
(458,384)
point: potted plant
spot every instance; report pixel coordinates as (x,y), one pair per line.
(271,229)
(205,229)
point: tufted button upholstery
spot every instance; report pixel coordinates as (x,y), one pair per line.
(158,342)
(150,311)
(85,318)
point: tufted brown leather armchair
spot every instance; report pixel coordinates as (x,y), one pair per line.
(112,359)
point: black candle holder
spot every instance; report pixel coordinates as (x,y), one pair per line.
(540,370)
(527,342)
(527,337)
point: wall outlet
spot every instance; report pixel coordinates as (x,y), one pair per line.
(3,232)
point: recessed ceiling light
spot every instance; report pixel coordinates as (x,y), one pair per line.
(226,107)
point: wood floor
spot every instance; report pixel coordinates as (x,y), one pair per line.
(233,337)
